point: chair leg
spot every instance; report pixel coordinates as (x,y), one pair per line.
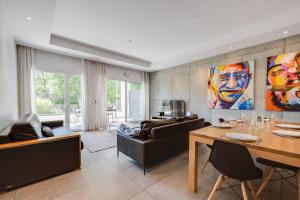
(269,173)
(216,186)
(244,190)
(251,189)
(204,165)
(221,183)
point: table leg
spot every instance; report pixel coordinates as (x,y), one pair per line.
(193,163)
(298,179)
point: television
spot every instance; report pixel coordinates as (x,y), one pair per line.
(173,108)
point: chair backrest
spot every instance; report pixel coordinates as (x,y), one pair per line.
(232,160)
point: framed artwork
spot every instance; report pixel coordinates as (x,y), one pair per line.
(283,82)
(231,86)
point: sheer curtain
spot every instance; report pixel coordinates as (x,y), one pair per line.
(25,70)
(102,91)
(94,90)
(145,92)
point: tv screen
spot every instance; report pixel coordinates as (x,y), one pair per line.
(174,108)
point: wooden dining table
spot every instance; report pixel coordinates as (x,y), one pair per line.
(269,146)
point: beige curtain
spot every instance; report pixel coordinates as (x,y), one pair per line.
(102,92)
(94,90)
(145,92)
(25,70)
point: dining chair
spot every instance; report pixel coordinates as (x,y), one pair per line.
(271,165)
(235,162)
(206,124)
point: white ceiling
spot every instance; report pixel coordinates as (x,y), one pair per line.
(163,33)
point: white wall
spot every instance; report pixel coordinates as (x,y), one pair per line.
(8,73)
(123,74)
(48,61)
(189,81)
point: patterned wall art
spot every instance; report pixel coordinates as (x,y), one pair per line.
(231,86)
(283,82)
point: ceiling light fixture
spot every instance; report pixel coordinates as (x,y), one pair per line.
(285,32)
(29,18)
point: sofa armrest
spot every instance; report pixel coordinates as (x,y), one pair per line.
(29,161)
(38,141)
(4,139)
(53,124)
(134,148)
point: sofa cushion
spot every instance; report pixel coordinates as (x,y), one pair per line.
(126,130)
(146,126)
(27,128)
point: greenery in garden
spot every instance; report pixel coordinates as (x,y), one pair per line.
(114,92)
(49,90)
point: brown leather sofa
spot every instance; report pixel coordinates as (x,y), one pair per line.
(163,142)
(26,156)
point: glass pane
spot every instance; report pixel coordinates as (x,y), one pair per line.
(134,102)
(75,99)
(49,90)
(115,101)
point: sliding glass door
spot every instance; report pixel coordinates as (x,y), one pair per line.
(123,101)
(115,91)
(134,102)
(59,97)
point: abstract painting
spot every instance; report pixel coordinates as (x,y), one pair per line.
(283,82)
(231,86)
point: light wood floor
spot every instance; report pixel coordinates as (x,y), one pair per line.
(104,176)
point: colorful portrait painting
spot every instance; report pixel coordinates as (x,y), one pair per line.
(231,86)
(283,82)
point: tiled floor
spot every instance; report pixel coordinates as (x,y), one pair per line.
(104,176)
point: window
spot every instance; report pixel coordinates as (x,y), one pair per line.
(134,102)
(123,101)
(58,97)
(115,91)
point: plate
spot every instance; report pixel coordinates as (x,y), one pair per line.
(288,126)
(286,133)
(241,136)
(223,125)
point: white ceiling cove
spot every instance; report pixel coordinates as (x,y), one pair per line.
(149,35)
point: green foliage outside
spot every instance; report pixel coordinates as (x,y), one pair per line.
(49,90)
(113,92)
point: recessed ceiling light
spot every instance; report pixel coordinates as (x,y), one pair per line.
(230,47)
(29,18)
(285,32)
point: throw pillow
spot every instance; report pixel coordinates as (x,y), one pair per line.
(146,126)
(47,132)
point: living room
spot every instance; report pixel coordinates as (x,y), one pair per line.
(149,99)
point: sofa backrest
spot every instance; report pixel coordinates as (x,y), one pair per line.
(27,128)
(172,129)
